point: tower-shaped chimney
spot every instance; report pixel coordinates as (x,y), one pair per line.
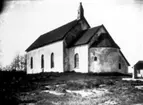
(80,12)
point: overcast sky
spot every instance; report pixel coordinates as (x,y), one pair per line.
(23,21)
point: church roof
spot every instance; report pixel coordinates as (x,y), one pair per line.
(86,36)
(104,40)
(124,57)
(52,36)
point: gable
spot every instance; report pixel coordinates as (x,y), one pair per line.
(97,37)
(103,39)
(76,32)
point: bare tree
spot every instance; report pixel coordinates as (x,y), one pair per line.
(19,63)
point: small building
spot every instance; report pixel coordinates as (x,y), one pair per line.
(138,70)
(76,46)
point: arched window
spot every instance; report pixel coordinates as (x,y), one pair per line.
(119,65)
(52,60)
(42,61)
(31,62)
(76,61)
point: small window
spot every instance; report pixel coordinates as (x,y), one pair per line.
(138,71)
(76,60)
(31,62)
(119,65)
(42,61)
(95,58)
(52,60)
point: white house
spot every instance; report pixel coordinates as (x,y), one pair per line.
(76,46)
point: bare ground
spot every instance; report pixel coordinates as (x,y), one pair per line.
(71,89)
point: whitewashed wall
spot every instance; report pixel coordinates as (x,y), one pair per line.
(108,60)
(83,58)
(56,48)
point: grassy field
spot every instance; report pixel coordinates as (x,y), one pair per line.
(17,88)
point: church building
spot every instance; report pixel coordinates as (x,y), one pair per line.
(77,47)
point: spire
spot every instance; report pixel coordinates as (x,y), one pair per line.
(80,12)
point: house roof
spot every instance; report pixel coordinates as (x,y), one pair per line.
(138,65)
(52,36)
(139,62)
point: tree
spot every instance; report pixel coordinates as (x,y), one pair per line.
(19,63)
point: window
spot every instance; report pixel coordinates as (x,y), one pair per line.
(119,65)
(52,60)
(138,71)
(42,61)
(31,62)
(95,58)
(76,61)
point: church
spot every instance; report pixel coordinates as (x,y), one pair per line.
(77,47)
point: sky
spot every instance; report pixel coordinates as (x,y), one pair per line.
(23,21)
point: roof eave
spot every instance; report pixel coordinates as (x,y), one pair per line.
(28,50)
(124,57)
(110,35)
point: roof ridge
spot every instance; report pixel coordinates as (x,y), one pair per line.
(58,27)
(96,26)
(70,29)
(53,35)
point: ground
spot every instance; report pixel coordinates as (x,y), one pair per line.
(68,89)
